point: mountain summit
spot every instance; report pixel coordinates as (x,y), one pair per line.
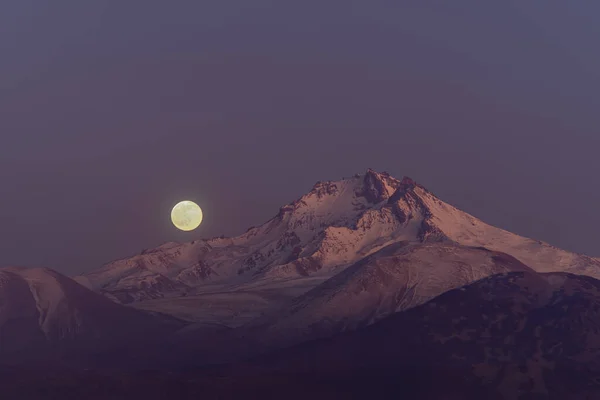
(334,225)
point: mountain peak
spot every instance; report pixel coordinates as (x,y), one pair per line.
(377,186)
(406,185)
(407,182)
(361,190)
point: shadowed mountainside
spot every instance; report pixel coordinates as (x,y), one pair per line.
(513,335)
(47,317)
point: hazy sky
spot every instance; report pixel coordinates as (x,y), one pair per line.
(112,111)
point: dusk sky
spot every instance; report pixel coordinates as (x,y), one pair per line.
(113,111)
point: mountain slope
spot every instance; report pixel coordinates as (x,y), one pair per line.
(456,225)
(517,334)
(520,335)
(333,226)
(44,314)
(399,277)
(396,278)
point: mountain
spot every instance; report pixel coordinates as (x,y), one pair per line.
(331,226)
(394,279)
(516,335)
(513,335)
(311,239)
(46,316)
(398,277)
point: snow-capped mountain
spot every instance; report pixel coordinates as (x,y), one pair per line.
(330,228)
(42,310)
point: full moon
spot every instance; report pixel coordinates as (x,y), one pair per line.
(186,215)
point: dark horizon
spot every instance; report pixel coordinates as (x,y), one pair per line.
(111,113)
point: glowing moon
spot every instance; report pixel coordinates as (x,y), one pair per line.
(186,215)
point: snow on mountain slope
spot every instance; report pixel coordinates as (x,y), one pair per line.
(154,273)
(399,277)
(334,225)
(42,309)
(396,278)
(470,231)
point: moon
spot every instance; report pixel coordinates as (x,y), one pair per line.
(186,215)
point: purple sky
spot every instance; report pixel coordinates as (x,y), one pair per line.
(112,111)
